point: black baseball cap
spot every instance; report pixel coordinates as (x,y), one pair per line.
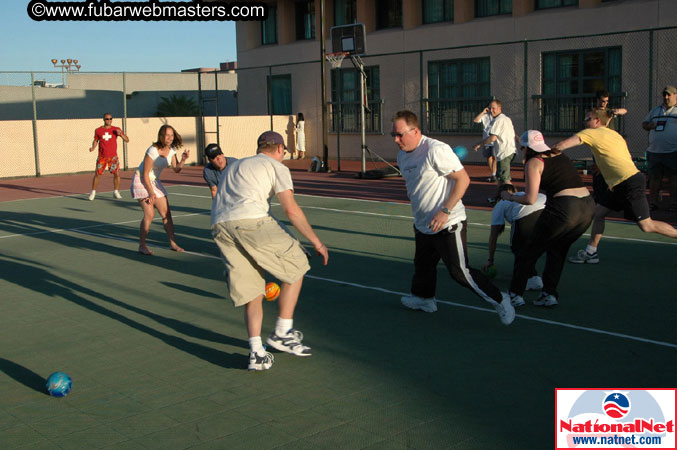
(212,151)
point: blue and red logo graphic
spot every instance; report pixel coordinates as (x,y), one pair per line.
(616,405)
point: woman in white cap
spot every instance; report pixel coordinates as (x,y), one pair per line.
(568,213)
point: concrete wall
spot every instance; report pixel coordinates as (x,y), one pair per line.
(400,72)
(89,95)
(63,145)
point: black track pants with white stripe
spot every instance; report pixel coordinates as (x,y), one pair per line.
(449,245)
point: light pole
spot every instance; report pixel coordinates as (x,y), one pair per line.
(67,65)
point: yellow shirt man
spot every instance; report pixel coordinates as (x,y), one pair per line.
(611,154)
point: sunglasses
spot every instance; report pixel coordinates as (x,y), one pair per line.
(400,135)
(107,118)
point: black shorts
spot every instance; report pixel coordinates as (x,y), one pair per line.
(629,197)
(599,186)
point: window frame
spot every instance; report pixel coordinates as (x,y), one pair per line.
(454,114)
(447,12)
(502,8)
(302,9)
(272,16)
(383,11)
(272,107)
(537,6)
(563,112)
(350,7)
(347,111)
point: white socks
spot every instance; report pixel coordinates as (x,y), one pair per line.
(256,346)
(591,250)
(283,326)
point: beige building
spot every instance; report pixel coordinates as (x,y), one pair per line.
(445,59)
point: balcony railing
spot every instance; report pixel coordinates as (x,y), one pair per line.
(564,114)
(345,117)
(448,116)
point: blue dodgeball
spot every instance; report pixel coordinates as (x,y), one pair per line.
(461,152)
(59,384)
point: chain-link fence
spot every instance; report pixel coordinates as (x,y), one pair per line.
(545,84)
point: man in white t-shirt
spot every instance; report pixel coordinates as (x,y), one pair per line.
(436,181)
(487,150)
(661,123)
(251,242)
(502,136)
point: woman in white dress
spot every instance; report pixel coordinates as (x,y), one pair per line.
(300,136)
(147,187)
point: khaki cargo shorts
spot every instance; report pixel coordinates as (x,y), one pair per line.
(251,247)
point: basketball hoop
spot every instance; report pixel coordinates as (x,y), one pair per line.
(336,58)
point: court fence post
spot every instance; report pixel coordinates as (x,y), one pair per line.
(35,128)
(124,119)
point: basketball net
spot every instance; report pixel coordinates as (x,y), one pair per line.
(335,59)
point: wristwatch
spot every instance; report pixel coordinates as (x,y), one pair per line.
(446,210)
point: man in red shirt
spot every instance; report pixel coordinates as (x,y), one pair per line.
(107,138)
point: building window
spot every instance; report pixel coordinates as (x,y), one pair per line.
(570,81)
(269,27)
(545,4)
(485,8)
(435,11)
(305,20)
(457,91)
(345,12)
(279,94)
(345,100)
(388,14)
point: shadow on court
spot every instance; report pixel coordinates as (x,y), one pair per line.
(23,375)
(45,282)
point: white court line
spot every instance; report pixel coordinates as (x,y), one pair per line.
(320,208)
(60,230)
(458,305)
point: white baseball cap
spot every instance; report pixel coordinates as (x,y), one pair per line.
(534,140)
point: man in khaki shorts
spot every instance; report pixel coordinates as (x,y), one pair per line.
(251,242)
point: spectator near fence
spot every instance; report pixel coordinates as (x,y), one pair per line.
(661,123)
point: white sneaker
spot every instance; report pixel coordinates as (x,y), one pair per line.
(505,310)
(116,194)
(414,302)
(289,343)
(534,283)
(546,300)
(516,300)
(262,362)
(92,195)
(583,257)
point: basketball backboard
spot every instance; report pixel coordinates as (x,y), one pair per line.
(350,38)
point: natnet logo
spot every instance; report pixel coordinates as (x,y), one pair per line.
(615,418)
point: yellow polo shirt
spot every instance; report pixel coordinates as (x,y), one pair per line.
(611,154)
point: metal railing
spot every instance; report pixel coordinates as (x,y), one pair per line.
(449,116)
(564,114)
(344,117)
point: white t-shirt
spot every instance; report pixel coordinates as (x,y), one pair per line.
(246,186)
(663,138)
(505,210)
(504,131)
(486,122)
(159,162)
(425,171)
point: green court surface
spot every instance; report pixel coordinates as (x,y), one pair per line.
(158,353)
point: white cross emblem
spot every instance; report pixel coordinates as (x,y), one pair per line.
(107,136)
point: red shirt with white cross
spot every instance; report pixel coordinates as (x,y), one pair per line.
(108,140)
